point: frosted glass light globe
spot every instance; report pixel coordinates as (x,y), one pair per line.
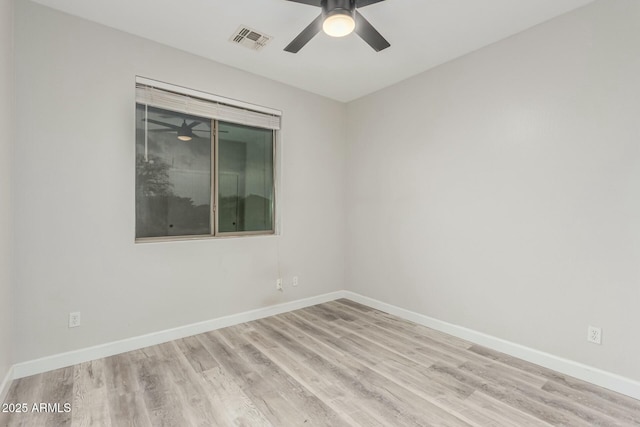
(339,25)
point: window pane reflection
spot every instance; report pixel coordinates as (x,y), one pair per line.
(245,180)
(173,173)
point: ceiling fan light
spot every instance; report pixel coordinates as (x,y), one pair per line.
(339,24)
(184,133)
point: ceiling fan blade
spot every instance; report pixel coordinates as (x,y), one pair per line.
(306,35)
(161,130)
(194,124)
(369,34)
(363,3)
(310,2)
(169,125)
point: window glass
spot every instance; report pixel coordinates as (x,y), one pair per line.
(173,173)
(245,180)
(198,173)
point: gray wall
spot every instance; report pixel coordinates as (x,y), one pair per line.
(500,191)
(6,143)
(497,192)
(75,193)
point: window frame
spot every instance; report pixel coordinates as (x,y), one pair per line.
(214,161)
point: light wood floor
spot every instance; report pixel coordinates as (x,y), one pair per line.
(334,364)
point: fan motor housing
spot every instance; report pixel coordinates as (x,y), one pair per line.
(332,7)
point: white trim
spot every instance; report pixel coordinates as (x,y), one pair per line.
(587,373)
(5,384)
(70,358)
(208,96)
(578,370)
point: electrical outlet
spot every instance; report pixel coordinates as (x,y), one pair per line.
(74,319)
(295,281)
(594,335)
(279,285)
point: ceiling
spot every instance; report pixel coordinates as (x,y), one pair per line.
(422,33)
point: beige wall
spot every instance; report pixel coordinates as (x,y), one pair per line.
(500,191)
(6,143)
(75,193)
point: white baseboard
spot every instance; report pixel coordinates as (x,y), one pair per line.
(70,358)
(590,374)
(5,384)
(587,373)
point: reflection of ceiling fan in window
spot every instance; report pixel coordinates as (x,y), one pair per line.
(185,131)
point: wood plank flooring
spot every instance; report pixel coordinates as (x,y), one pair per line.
(334,364)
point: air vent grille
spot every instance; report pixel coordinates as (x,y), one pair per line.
(250,38)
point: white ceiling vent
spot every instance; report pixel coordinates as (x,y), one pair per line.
(250,38)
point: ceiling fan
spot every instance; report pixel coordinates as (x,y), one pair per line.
(185,131)
(338,19)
